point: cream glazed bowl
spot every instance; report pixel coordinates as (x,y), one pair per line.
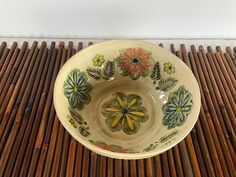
(126,99)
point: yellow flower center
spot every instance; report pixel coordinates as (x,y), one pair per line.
(179,109)
(75,89)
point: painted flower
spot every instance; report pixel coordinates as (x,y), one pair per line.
(134,62)
(98,60)
(169,68)
(177,108)
(125,112)
(76,89)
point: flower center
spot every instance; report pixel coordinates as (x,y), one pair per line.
(135,60)
(75,89)
(124,111)
(170,67)
(179,109)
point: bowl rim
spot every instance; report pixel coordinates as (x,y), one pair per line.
(128,156)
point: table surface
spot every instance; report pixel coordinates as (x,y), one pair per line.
(34,143)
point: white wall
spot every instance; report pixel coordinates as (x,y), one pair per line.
(118,18)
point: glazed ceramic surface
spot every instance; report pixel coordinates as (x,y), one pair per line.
(126,99)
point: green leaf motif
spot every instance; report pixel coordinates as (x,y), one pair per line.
(156,72)
(84,131)
(168,136)
(108,70)
(77,121)
(94,73)
(150,147)
(167,83)
(76,116)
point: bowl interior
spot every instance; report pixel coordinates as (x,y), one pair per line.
(126,99)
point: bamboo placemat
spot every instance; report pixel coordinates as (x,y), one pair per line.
(34,143)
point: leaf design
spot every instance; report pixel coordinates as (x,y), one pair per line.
(168,136)
(76,116)
(156,72)
(167,83)
(108,70)
(84,131)
(94,73)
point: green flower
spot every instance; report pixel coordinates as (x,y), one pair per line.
(169,68)
(76,89)
(98,60)
(177,108)
(125,112)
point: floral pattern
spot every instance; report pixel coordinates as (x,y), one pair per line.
(77,121)
(169,68)
(76,89)
(164,140)
(177,108)
(98,60)
(134,62)
(113,148)
(125,112)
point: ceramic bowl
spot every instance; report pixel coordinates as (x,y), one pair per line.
(126,99)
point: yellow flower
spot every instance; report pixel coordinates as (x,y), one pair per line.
(98,60)
(169,68)
(125,112)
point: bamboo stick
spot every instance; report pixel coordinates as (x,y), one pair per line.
(22,99)
(226,66)
(198,153)
(5,75)
(165,165)
(85,168)
(2,48)
(43,123)
(118,168)
(14,103)
(201,138)
(8,60)
(133,168)
(79,160)
(230,63)
(224,77)
(219,92)
(209,125)
(12,66)
(93,164)
(141,172)
(28,109)
(54,134)
(49,142)
(33,135)
(149,167)
(126,168)
(70,162)
(32,103)
(103,166)
(4,57)
(110,164)
(158,166)
(232,55)
(178,164)
(16,83)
